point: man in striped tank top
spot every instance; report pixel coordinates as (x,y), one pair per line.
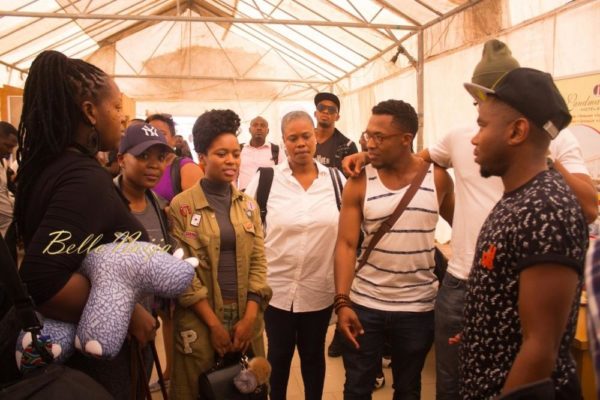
(393,295)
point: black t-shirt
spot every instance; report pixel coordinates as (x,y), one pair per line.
(541,222)
(73,203)
(331,152)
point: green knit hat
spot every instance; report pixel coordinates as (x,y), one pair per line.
(496,61)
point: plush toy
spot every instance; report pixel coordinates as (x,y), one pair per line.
(120,274)
(254,376)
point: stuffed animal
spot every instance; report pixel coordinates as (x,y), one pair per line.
(255,375)
(120,276)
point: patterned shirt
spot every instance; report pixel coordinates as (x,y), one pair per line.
(540,222)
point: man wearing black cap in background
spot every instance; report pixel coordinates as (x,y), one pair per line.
(332,145)
(523,292)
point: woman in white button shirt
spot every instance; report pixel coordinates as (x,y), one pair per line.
(301,227)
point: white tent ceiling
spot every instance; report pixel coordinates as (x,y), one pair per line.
(183,56)
(217,49)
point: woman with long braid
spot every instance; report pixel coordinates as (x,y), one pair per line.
(66,203)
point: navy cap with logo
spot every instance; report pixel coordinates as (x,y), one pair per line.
(532,93)
(327,96)
(140,137)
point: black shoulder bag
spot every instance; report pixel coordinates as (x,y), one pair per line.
(52,381)
(49,382)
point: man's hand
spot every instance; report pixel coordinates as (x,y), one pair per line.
(349,325)
(354,163)
(220,339)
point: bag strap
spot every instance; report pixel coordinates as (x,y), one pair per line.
(337,186)
(265,180)
(275,153)
(138,371)
(161,378)
(391,220)
(176,175)
(23,303)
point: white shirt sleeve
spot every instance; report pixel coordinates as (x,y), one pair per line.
(441,152)
(565,148)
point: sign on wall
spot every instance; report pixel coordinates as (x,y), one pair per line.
(582,94)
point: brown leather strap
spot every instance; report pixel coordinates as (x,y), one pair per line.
(391,220)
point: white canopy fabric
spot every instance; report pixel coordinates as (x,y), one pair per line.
(260,56)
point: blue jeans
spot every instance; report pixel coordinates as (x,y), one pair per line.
(448,322)
(410,335)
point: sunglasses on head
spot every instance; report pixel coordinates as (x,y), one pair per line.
(328,109)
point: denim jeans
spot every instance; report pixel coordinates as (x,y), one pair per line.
(448,322)
(285,331)
(410,335)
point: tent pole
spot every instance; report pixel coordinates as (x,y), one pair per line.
(219,20)
(420,89)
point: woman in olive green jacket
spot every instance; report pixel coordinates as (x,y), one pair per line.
(222,311)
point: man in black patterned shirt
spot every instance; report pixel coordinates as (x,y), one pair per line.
(523,291)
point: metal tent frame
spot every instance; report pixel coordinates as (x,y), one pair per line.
(322,41)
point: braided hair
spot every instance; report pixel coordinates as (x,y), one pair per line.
(55,88)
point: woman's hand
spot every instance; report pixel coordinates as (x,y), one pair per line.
(142,325)
(220,339)
(242,334)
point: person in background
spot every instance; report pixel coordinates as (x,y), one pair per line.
(142,159)
(71,110)
(222,310)
(182,149)
(526,278)
(592,285)
(332,145)
(8,142)
(258,153)
(302,217)
(183,167)
(332,148)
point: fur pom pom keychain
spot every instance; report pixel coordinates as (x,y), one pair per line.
(255,374)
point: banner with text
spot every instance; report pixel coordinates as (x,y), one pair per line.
(582,95)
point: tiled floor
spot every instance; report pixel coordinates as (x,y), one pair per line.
(334,379)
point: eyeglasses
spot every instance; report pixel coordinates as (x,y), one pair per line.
(329,109)
(378,138)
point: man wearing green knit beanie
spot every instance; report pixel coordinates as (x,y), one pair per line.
(475,196)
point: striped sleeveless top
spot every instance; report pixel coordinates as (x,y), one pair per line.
(398,275)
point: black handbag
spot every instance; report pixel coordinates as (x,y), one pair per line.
(49,382)
(218,382)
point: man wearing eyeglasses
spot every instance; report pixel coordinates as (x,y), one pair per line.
(332,145)
(392,295)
